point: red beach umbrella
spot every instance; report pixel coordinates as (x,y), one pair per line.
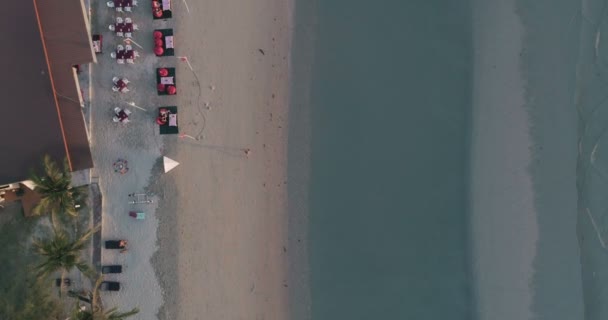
(171,90)
(160,87)
(158,13)
(158,42)
(163,72)
(155,4)
(159,51)
(158,34)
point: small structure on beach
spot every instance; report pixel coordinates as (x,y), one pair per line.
(163,43)
(166,81)
(167,120)
(169,164)
(161,9)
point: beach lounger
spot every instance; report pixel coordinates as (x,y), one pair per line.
(84,297)
(66,282)
(111,269)
(110,286)
(115,244)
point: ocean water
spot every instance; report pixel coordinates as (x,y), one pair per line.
(390,97)
(591,103)
(385,90)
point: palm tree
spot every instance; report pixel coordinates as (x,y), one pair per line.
(54,187)
(96,311)
(112,314)
(61,253)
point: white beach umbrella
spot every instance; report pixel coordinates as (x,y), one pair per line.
(169,164)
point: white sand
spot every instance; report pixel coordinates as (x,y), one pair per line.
(504,223)
(230,217)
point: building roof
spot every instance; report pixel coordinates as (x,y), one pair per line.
(41,95)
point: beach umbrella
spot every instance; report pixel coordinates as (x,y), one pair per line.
(163,72)
(158,42)
(155,4)
(159,51)
(158,34)
(160,87)
(171,90)
(169,164)
(158,13)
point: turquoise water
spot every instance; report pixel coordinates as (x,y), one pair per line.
(390,105)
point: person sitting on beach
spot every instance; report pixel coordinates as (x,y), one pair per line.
(122,244)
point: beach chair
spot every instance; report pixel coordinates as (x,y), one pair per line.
(66,282)
(111,269)
(127,9)
(82,296)
(110,286)
(137,215)
(115,244)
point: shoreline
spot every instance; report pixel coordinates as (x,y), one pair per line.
(298,158)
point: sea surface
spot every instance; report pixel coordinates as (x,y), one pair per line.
(390,99)
(385,89)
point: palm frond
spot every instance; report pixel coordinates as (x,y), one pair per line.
(61,253)
(114,314)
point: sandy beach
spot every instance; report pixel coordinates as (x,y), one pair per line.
(228,258)
(215,240)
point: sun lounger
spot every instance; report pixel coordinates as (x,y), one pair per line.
(110,286)
(115,244)
(111,269)
(66,282)
(84,297)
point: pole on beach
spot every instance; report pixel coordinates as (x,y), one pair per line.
(129,40)
(187,9)
(187,61)
(183,135)
(132,104)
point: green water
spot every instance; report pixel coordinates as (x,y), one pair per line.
(390,105)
